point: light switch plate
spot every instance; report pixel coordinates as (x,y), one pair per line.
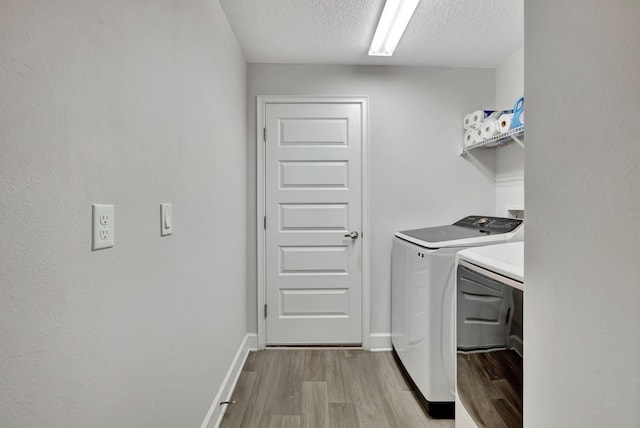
(166,219)
(103,226)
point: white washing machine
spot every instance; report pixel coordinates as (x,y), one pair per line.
(422,301)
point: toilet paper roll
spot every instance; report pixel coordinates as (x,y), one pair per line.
(478,135)
(478,116)
(490,128)
(469,137)
(505,122)
(466,123)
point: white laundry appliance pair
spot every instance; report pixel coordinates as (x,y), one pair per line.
(423,299)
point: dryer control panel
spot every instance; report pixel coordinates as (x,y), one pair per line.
(489,224)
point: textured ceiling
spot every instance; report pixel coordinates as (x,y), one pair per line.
(446,33)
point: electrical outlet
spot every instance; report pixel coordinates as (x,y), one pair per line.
(103,226)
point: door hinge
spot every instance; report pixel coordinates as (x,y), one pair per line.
(264,222)
(264,134)
(265,310)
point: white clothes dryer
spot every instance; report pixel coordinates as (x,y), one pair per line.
(423,299)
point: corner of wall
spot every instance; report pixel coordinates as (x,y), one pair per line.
(217,410)
(509,78)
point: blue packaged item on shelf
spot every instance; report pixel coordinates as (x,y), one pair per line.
(518,112)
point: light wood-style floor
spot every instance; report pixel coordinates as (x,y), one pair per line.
(324,389)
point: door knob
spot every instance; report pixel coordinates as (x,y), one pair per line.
(352,235)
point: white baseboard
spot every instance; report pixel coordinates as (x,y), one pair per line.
(380,342)
(252,341)
(216,411)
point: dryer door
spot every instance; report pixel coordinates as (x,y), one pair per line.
(484,311)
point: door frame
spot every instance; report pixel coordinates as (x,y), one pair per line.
(262,101)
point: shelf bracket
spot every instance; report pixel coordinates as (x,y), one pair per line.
(483,169)
(518,141)
(514,135)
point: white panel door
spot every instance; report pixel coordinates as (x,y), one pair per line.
(313,197)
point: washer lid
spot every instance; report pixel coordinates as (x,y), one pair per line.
(469,231)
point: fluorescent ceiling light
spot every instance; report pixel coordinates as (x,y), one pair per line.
(393,22)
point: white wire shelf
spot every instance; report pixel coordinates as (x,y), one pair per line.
(513,135)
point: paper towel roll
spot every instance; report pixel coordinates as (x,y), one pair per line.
(478,135)
(490,128)
(469,137)
(505,122)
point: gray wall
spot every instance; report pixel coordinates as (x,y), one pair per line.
(132,103)
(415,117)
(509,159)
(582,167)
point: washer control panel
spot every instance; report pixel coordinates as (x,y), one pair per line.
(489,224)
